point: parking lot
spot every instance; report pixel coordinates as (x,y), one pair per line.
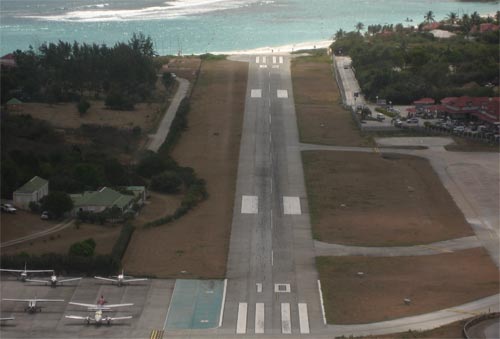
(150,299)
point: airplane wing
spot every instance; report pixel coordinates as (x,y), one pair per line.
(75,317)
(107,279)
(15,271)
(20,300)
(120,318)
(70,279)
(38,271)
(49,300)
(7,318)
(83,305)
(117,305)
(38,281)
(135,279)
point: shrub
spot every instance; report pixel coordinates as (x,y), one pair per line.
(83,106)
(166,182)
(122,242)
(83,248)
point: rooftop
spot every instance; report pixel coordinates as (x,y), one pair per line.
(33,185)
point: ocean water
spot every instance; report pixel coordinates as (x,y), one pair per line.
(199,26)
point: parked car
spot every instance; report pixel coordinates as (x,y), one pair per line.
(8,208)
(412,121)
(398,123)
(45,215)
(380,117)
(459,129)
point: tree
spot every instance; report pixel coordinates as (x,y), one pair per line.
(83,248)
(359,26)
(166,182)
(339,34)
(83,106)
(57,203)
(452,17)
(429,17)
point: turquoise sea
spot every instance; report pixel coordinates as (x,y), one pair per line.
(199,26)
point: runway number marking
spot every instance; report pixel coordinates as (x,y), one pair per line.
(256,93)
(249,204)
(241,325)
(259,318)
(303,318)
(282,93)
(259,287)
(286,326)
(291,205)
(263,66)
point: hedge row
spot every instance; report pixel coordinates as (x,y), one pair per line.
(122,242)
(179,124)
(63,264)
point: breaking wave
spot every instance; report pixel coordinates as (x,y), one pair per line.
(170,9)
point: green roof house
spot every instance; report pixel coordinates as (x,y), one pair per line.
(32,191)
(98,201)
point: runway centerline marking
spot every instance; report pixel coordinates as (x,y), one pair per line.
(303,319)
(291,205)
(241,325)
(259,318)
(286,326)
(256,93)
(249,204)
(259,287)
(282,93)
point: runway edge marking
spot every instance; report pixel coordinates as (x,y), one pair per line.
(223,303)
(322,303)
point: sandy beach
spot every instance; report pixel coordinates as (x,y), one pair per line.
(281,49)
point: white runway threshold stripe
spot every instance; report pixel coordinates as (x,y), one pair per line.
(281,59)
(264,59)
(257,60)
(241,325)
(259,318)
(303,318)
(256,93)
(286,326)
(249,204)
(274,59)
(291,205)
(282,93)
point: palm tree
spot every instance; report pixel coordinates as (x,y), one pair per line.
(475,18)
(429,17)
(339,34)
(359,26)
(497,17)
(452,17)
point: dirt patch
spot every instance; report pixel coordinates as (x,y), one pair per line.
(66,115)
(198,243)
(21,224)
(185,67)
(59,242)
(451,331)
(320,116)
(157,206)
(372,200)
(431,282)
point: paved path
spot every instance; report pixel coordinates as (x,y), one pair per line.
(59,227)
(447,246)
(156,140)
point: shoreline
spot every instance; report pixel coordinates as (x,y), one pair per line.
(278,49)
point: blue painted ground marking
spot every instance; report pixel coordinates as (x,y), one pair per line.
(195,304)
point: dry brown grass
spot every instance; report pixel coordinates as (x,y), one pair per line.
(320,116)
(431,282)
(198,242)
(393,201)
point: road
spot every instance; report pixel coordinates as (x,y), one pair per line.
(271,258)
(59,227)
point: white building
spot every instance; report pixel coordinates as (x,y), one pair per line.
(32,191)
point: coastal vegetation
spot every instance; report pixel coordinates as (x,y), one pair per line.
(68,72)
(402,65)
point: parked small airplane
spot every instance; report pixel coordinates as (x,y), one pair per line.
(32,306)
(23,274)
(121,279)
(99,318)
(6,318)
(53,281)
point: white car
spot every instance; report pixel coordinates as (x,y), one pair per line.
(8,208)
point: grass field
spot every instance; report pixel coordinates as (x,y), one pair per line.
(320,116)
(197,244)
(372,200)
(431,282)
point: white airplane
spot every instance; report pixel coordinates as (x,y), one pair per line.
(6,318)
(53,281)
(99,318)
(32,306)
(23,274)
(121,279)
